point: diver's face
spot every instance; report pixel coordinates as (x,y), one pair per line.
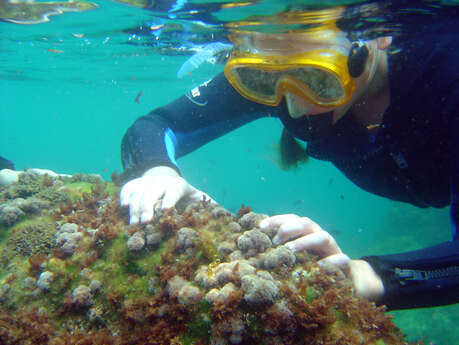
(298,106)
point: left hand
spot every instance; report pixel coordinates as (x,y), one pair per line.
(301,233)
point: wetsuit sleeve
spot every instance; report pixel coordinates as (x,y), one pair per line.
(170,132)
(422,278)
(430,276)
(6,164)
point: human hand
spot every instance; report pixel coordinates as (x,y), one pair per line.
(158,188)
(301,233)
(8,176)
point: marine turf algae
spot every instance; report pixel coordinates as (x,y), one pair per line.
(73,271)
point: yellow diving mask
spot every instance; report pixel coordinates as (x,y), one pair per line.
(313,65)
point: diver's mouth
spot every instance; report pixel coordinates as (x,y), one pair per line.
(298,106)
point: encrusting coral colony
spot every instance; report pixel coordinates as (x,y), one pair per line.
(73,271)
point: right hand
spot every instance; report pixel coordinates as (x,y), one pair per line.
(301,233)
(159,188)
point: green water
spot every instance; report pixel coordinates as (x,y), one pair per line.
(67,101)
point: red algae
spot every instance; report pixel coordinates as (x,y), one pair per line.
(198,278)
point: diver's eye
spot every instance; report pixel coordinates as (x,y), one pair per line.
(357,59)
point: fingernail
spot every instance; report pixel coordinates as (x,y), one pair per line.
(290,246)
(276,240)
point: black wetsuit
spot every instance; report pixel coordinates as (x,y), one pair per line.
(412,157)
(6,164)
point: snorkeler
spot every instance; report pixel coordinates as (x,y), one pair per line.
(389,122)
(6,164)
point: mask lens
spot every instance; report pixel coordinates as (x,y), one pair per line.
(322,84)
(313,82)
(258,81)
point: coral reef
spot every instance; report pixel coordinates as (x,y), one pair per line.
(73,271)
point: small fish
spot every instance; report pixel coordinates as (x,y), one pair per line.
(54,50)
(137,98)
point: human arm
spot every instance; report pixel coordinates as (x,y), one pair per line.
(172,131)
(421,278)
(301,233)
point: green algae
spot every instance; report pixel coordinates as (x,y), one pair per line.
(197,330)
(75,190)
(311,294)
(28,237)
(40,186)
(134,284)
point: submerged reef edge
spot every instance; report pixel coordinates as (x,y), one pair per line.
(73,271)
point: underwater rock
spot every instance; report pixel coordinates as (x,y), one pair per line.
(68,227)
(221,295)
(260,290)
(187,240)
(277,257)
(94,286)
(9,215)
(225,248)
(29,283)
(153,237)
(45,280)
(31,205)
(234,227)
(253,242)
(220,212)
(81,296)
(251,220)
(190,277)
(136,242)
(68,238)
(186,293)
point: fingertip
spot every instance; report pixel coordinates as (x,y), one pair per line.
(169,200)
(276,240)
(340,260)
(264,224)
(134,220)
(291,246)
(125,193)
(146,217)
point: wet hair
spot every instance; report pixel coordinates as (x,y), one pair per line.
(358,56)
(291,152)
(6,164)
